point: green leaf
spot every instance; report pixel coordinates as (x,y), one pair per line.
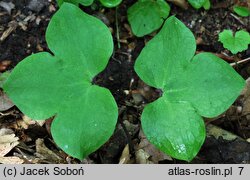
(60,85)
(106,3)
(3,77)
(242,11)
(197,4)
(173,127)
(235,43)
(76,2)
(146,16)
(110,3)
(207,5)
(193,86)
(60,2)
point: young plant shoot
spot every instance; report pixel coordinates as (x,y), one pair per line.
(235,43)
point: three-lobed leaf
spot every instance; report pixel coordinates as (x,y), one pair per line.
(193,86)
(146,16)
(235,43)
(60,85)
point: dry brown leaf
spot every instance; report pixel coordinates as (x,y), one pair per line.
(12,26)
(142,157)
(155,154)
(8,141)
(125,157)
(26,123)
(30,121)
(11,160)
(217,132)
(246,98)
(5,131)
(181,3)
(4,64)
(5,102)
(44,152)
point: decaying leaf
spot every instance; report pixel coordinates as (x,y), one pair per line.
(246,98)
(155,154)
(142,157)
(43,152)
(11,160)
(217,132)
(3,66)
(5,102)
(223,146)
(30,121)
(125,157)
(8,141)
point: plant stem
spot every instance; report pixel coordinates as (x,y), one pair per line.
(117,28)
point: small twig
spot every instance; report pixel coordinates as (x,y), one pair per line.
(236,61)
(126,54)
(116,60)
(240,62)
(117,28)
(12,27)
(129,140)
(5,114)
(237,18)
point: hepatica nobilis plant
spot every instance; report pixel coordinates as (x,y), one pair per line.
(193,86)
(45,85)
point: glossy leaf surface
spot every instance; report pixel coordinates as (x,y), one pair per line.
(197,4)
(110,3)
(146,16)
(193,86)
(60,85)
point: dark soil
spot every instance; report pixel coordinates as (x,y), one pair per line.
(130,93)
